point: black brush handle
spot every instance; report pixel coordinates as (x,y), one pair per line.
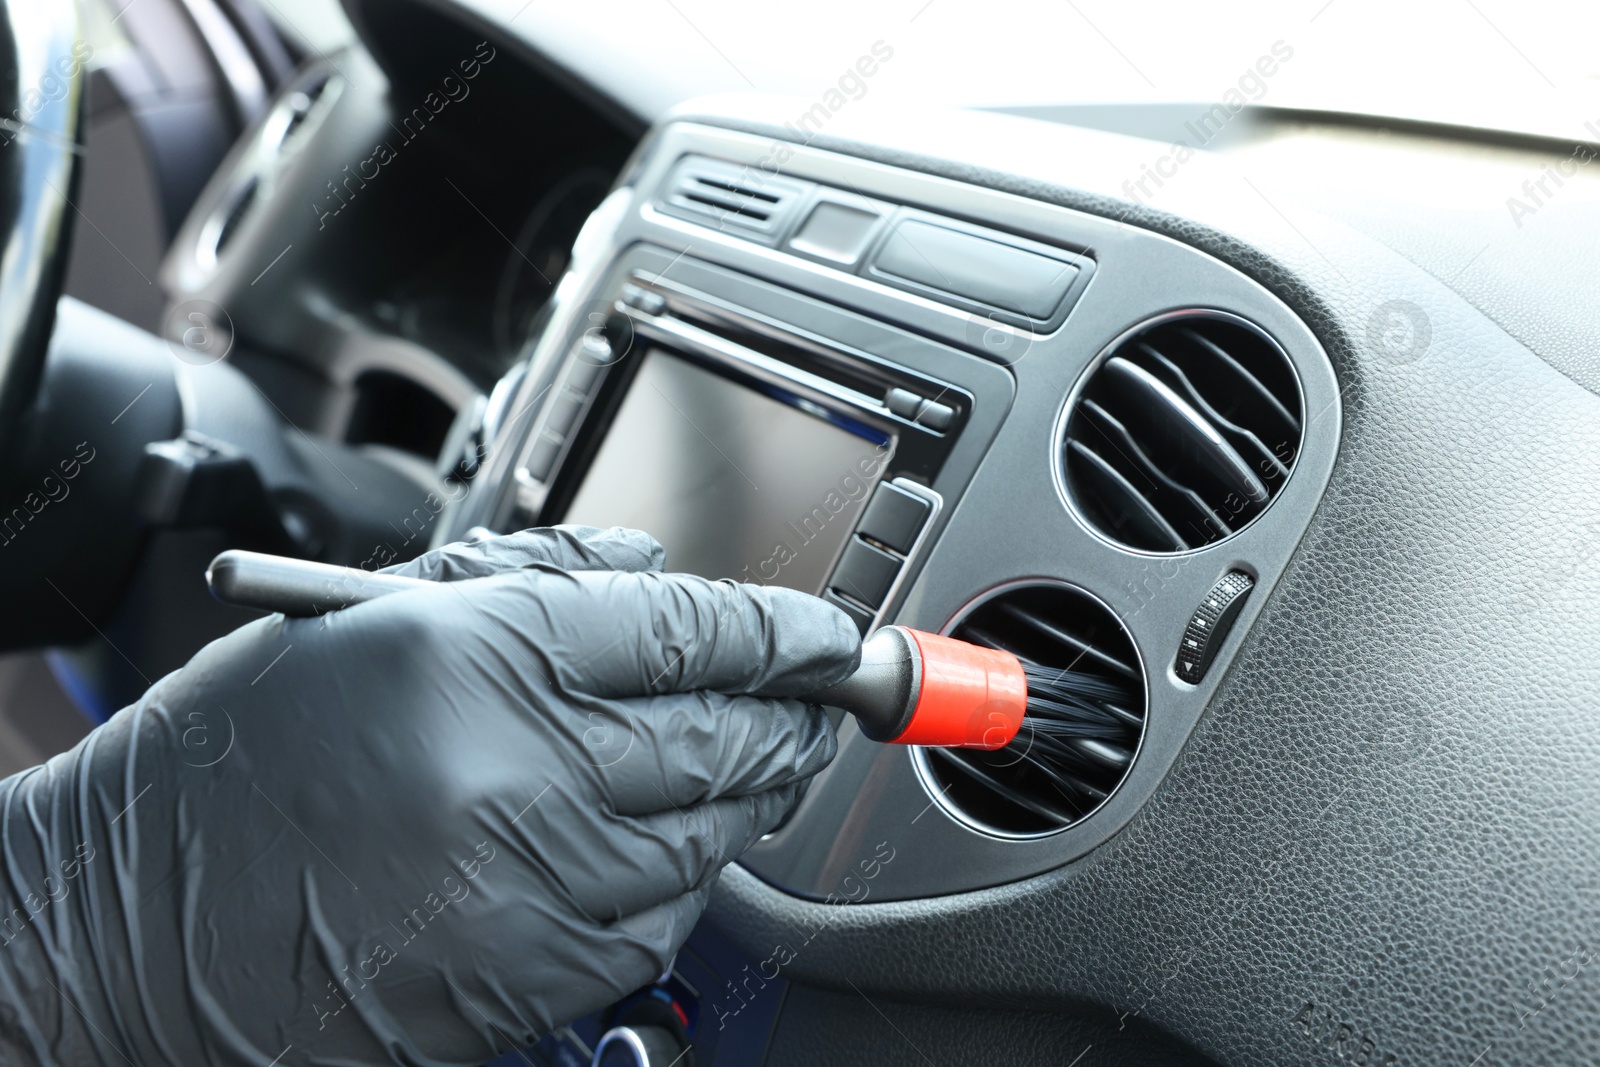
(882,693)
(297,587)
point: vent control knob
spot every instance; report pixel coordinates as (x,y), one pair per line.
(1210,624)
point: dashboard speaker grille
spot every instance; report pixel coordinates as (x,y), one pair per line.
(1058,770)
(1183,434)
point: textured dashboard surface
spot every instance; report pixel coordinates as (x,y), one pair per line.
(1512,229)
(1380,844)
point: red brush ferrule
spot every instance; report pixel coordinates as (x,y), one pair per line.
(970,697)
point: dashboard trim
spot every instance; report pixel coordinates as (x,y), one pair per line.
(995,530)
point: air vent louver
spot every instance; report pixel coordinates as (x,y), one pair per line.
(298,104)
(243,201)
(744,199)
(1056,771)
(1184,433)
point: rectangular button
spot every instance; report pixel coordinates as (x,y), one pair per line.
(646,300)
(543,457)
(977,268)
(563,412)
(894,517)
(836,232)
(936,416)
(858,615)
(865,573)
(581,375)
(903,402)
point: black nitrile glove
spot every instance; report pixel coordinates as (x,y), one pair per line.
(419,830)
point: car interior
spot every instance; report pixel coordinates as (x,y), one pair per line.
(1218,385)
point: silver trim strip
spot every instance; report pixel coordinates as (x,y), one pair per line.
(772,371)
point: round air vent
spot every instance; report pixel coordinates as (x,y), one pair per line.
(1184,432)
(1064,763)
(261,159)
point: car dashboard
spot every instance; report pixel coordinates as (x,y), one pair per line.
(1257,447)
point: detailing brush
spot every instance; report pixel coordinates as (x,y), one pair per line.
(912,688)
(916,688)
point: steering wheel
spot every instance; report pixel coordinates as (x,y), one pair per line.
(68,532)
(42,58)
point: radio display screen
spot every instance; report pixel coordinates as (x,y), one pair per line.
(735,480)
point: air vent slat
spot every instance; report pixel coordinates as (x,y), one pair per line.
(1129,718)
(744,191)
(727,205)
(1081,646)
(1194,445)
(984,634)
(1121,498)
(744,200)
(1195,418)
(1245,442)
(971,770)
(1109,755)
(1087,698)
(1067,759)
(1225,363)
(1183,507)
(1065,784)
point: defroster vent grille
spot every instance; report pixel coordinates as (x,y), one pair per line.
(746,200)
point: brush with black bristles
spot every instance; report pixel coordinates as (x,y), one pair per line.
(912,688)
(916,688)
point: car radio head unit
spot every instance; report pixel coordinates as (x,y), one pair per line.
(750,450)
(735,480)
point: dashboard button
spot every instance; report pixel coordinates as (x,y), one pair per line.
(594,349)
(581,375)
(837,232)
(969,267)
(564,412)
(1209,626)
(903,402)
(543,457)
(894,517)
(645,300)
(936,416)
(865,573)
(858,615)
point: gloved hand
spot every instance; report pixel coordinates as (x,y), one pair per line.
(419,830)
